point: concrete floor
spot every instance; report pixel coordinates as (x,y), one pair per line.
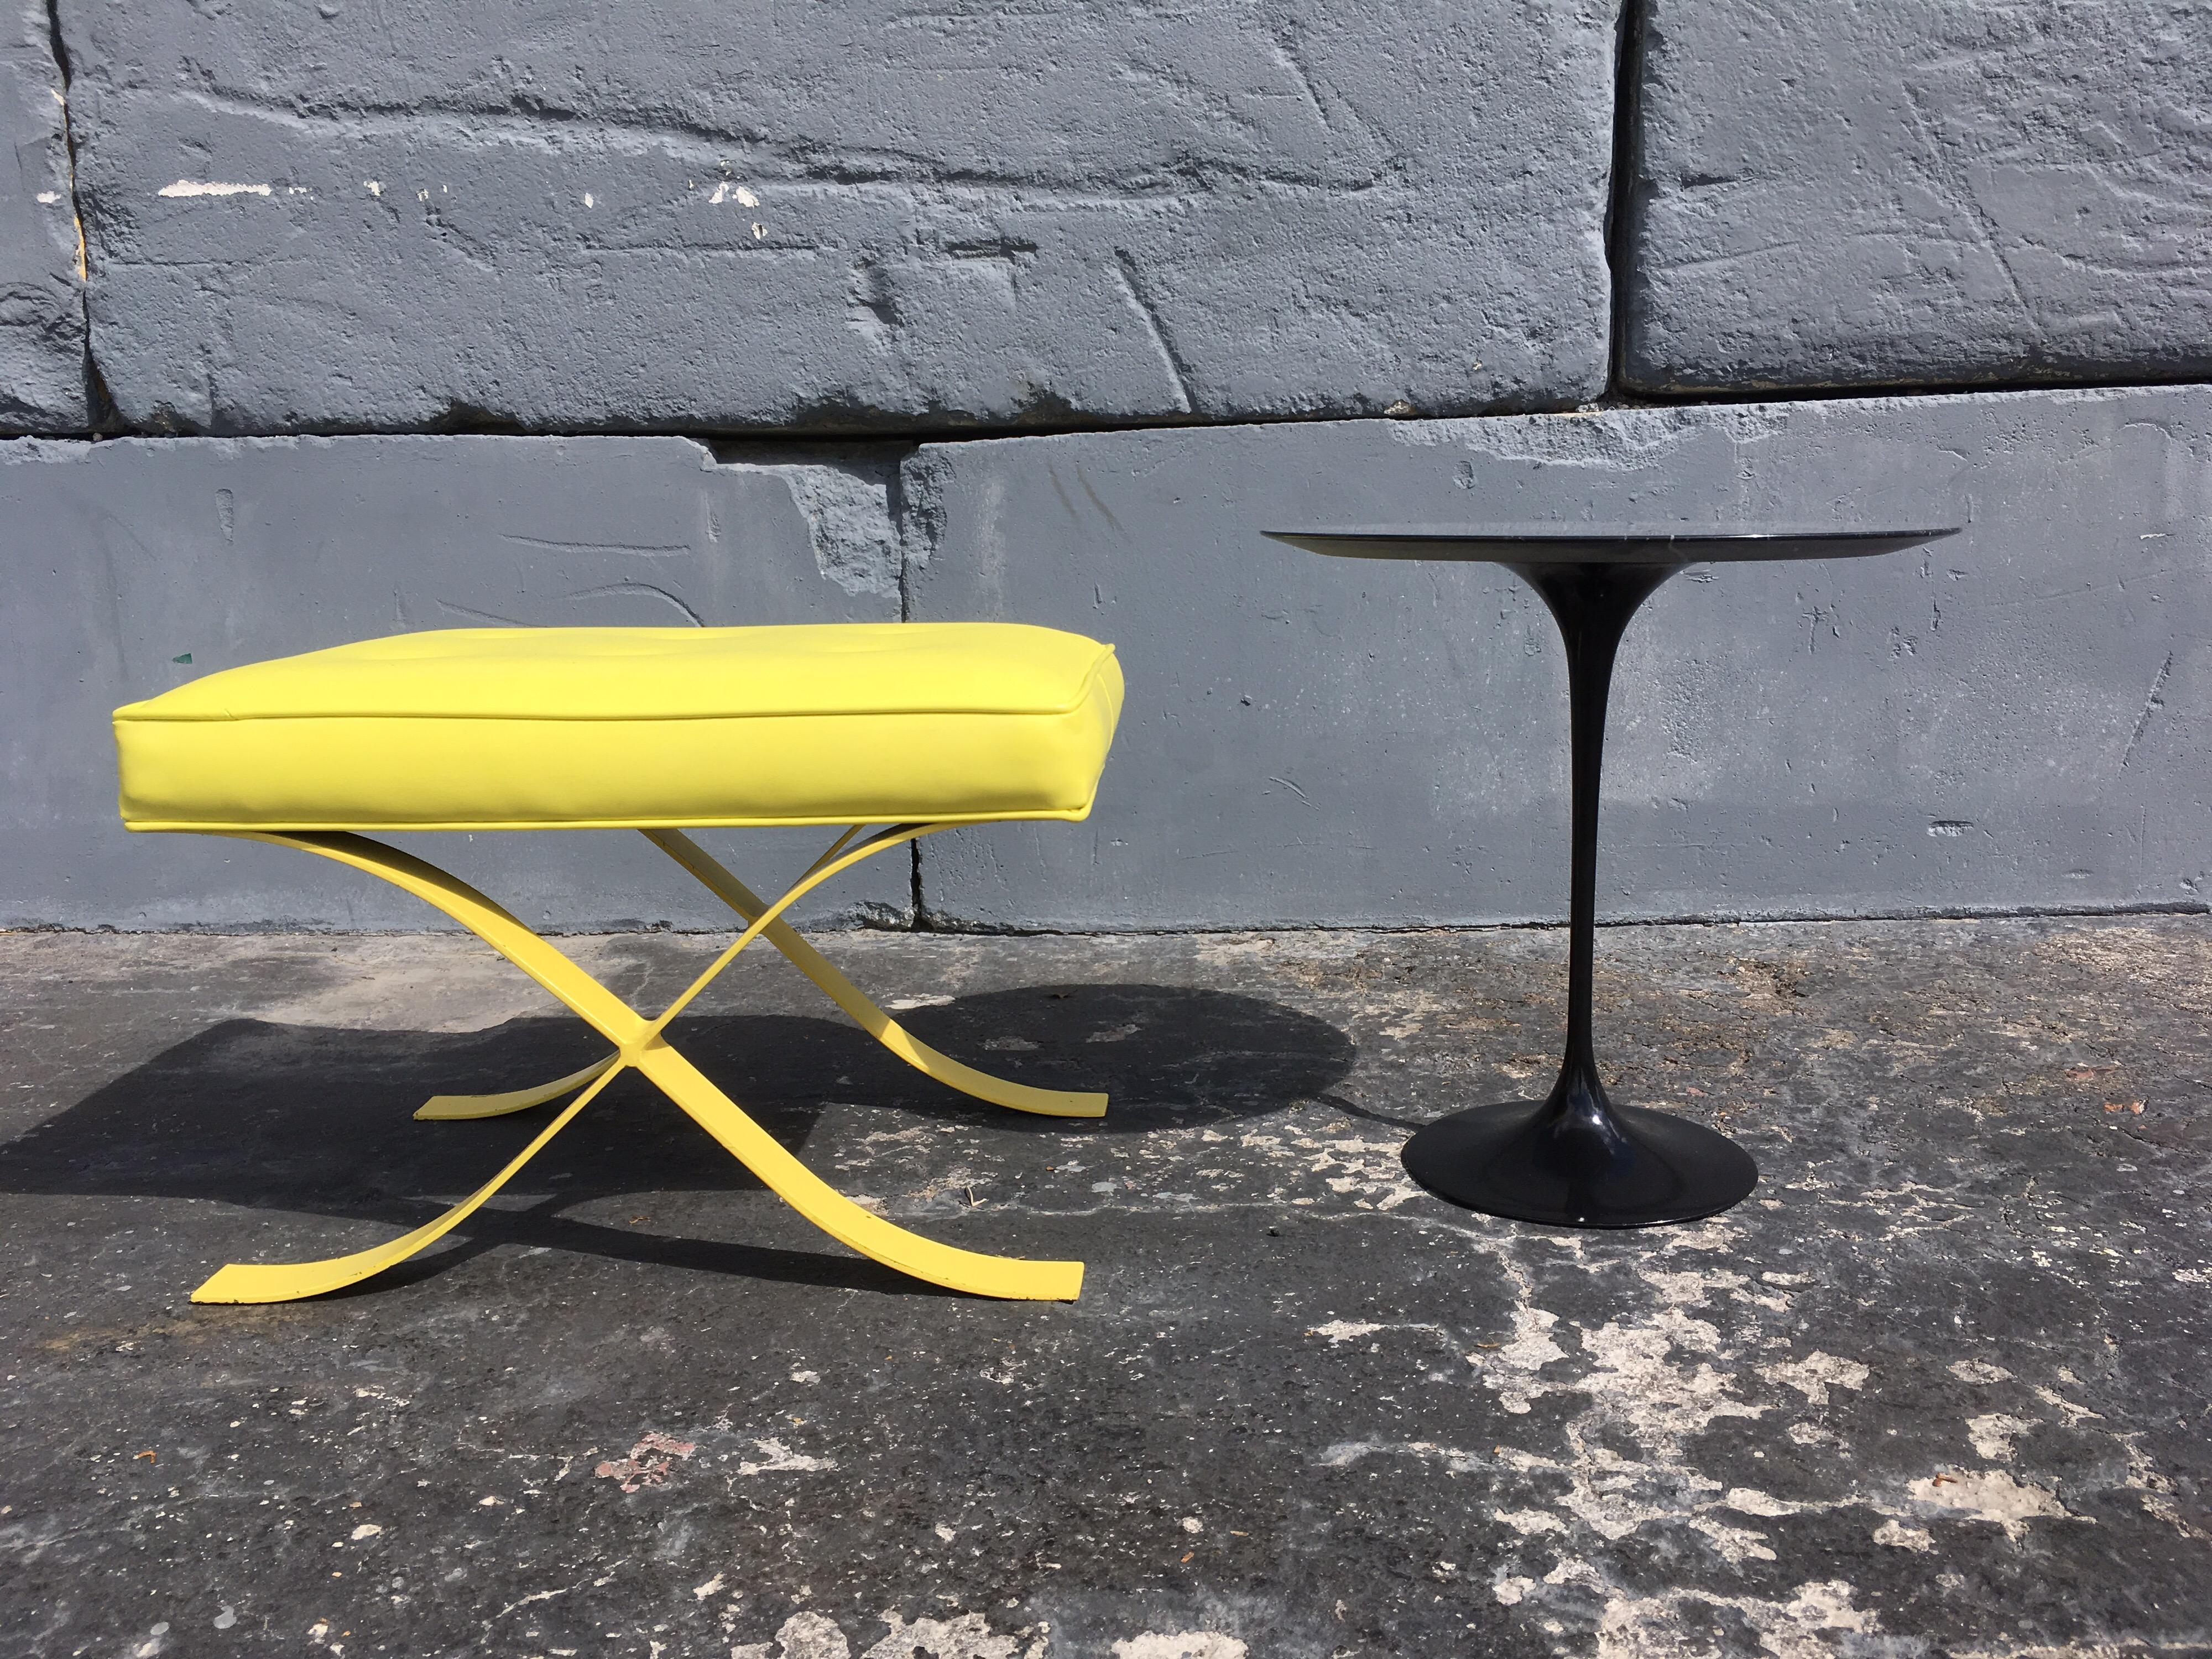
(1938,1387)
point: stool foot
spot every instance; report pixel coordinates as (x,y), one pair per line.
(450,1109)
(289,1281)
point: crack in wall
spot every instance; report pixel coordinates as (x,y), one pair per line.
(69,138)
(468,421)
(1170,359)
(799,165)
(100,415)
(1620,199)
(2152,704)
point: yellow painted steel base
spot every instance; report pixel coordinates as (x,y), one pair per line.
(288,1281)
(455,1108)
(1021,1097)
(640,1043)
(717,880)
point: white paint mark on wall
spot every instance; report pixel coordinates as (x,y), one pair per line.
(727,191)
(588,202)
(192,187)
(374,186)
(48,197)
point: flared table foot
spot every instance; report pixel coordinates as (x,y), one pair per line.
(1519,1160)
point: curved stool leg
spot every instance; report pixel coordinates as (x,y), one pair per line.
(836,1214)
(999,1091)
(641,1043)
(288,1281)
(449,1109)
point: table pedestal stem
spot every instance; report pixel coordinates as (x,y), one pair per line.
(1574,1159)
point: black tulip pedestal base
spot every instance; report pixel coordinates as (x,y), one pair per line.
(1574,1159)
(1614,1166)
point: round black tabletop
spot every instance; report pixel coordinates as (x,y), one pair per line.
(1594,544)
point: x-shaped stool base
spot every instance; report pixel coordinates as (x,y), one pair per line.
(641,1043)
(710,875)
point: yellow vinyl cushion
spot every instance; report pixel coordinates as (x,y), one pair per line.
(531,728)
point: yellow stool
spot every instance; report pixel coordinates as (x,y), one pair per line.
(921,727)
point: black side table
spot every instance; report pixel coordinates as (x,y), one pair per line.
(1574,1159)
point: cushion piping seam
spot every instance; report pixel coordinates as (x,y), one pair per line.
(125,716)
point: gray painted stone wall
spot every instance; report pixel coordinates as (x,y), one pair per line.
(691,214)
(157,561)
(2005,723)
(2013,720)
(1920,192)
(674,215)
(816,237)
(42,361)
